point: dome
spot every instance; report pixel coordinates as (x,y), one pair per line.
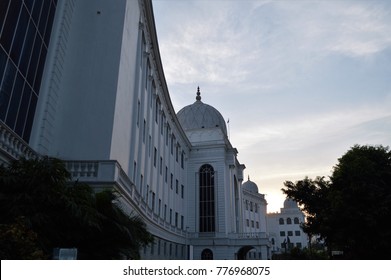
(250,186)
(200,115)
(290,203)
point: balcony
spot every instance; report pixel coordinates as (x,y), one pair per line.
(13,146)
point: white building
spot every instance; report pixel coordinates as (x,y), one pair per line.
(285,230)
(88,87)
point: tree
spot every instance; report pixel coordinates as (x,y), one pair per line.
(351,210)
(38,198)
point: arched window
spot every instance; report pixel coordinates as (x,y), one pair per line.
(289,221)
(207,199)
(296,220)
(281,221)
(206,254)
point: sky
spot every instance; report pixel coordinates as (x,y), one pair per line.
(300,82)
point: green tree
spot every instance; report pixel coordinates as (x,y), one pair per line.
(351,210)
(38,198)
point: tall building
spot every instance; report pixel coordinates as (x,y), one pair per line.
(82,80)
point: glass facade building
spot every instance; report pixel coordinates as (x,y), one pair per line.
(25,29)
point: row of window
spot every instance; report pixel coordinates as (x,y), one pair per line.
(290,233)
(253,224)
(296,221)
(150,124)
(166,249)
(252,206)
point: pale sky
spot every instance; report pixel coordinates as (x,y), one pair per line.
(300,81)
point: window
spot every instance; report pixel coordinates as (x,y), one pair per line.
(251,206)
(282,233)
(176,219)
(144,130)
(177,152)
(252,224)
(288,221)
(166,174)
(183,160)
(154,157)
(281,221)
(297,232)
(296,221)
(161,166)
(182,191)
(170,216)
(290,233)
(207,198)
(176,186)
(247,222)
(138,112)
(257,224)
(159,207)
(153,201)
(171,181)
(298,245)
(182,222)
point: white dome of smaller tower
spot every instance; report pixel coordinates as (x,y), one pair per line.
(250,186)
(290,203)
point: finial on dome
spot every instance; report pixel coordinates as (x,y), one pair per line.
(198,98)
(249,177)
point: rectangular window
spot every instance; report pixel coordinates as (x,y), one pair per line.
(176,186)
(161,166)
(138,112)
(182,191)
(134,172)
(141,185)
(282,233)
(170,216)
(159,207)
(183,160)
(177,152)
(149,145)
(297,232)
(182,222)
(153,201)
(165,212)
(166,174)
(290,233)
(171,181)
(247,222)
(176,219)
(154,157)
(257,224)
(144,130)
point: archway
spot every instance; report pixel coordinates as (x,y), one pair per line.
(207,254)
(242,253)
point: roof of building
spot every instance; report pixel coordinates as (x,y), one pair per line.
(200,115)
(250,186)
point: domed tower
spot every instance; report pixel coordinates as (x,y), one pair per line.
(254,214)
(290,204)
(214,178)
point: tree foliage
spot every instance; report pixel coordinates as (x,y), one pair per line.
(352,209)
(45,210)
